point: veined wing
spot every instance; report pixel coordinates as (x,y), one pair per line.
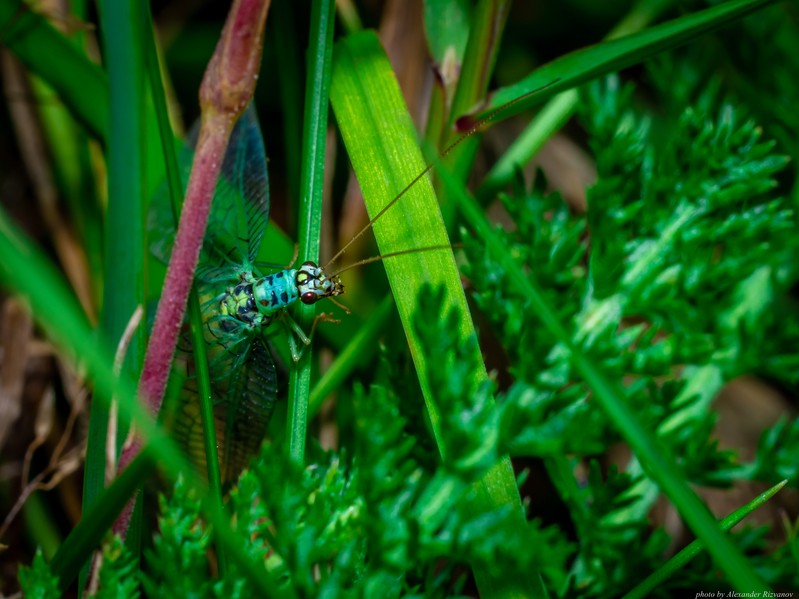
(240,207)
(244,399)
(241,203)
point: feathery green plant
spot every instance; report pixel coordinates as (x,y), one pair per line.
(675,281)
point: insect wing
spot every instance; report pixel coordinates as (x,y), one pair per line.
(161,219)
(244,399)
(250,400)
(240,206)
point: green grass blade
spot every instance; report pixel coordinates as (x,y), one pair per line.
(485,35)
(648,586)
(88,533)
(586,64)
(381,142)
(68,145)
(57,311)
(610,396)
(317,88)
(558,110)
(81,84)
(124,224)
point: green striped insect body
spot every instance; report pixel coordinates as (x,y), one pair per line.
(238,305)
(254,302)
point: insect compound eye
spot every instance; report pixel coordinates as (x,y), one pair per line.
(309,297)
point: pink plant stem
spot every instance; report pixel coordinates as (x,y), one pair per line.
(226,90)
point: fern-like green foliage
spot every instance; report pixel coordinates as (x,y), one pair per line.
(178,562)
(669,284)
(118,577)
(37,581)
(380,525)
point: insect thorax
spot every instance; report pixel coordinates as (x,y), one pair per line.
(254,301)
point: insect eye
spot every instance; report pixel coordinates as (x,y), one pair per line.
(309,297)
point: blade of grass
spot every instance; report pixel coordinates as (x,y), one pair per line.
(317,88)
(57,311)
(123,276)
(485,34)
(68,145)
(446,24)
(586,64)
(681,559)
(558,110)
(657,463)
(82,85)
(380,139)
(73,552)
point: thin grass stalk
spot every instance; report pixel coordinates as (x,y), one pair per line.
(122,24)
(312,185)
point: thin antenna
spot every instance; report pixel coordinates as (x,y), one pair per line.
(474,129)
(429,248)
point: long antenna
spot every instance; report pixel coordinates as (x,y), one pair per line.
(429,248)
(474,129)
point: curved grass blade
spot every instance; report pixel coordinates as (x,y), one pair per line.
(381,141)
(588,63)
(654,580)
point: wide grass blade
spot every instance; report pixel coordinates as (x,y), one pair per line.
(57,311)
(123,273)
(381,142)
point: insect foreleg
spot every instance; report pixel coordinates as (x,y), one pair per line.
(293,333)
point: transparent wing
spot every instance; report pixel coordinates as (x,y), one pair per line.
(241,203)
(244,399)
(240,207)
(160,219)
(247,410)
